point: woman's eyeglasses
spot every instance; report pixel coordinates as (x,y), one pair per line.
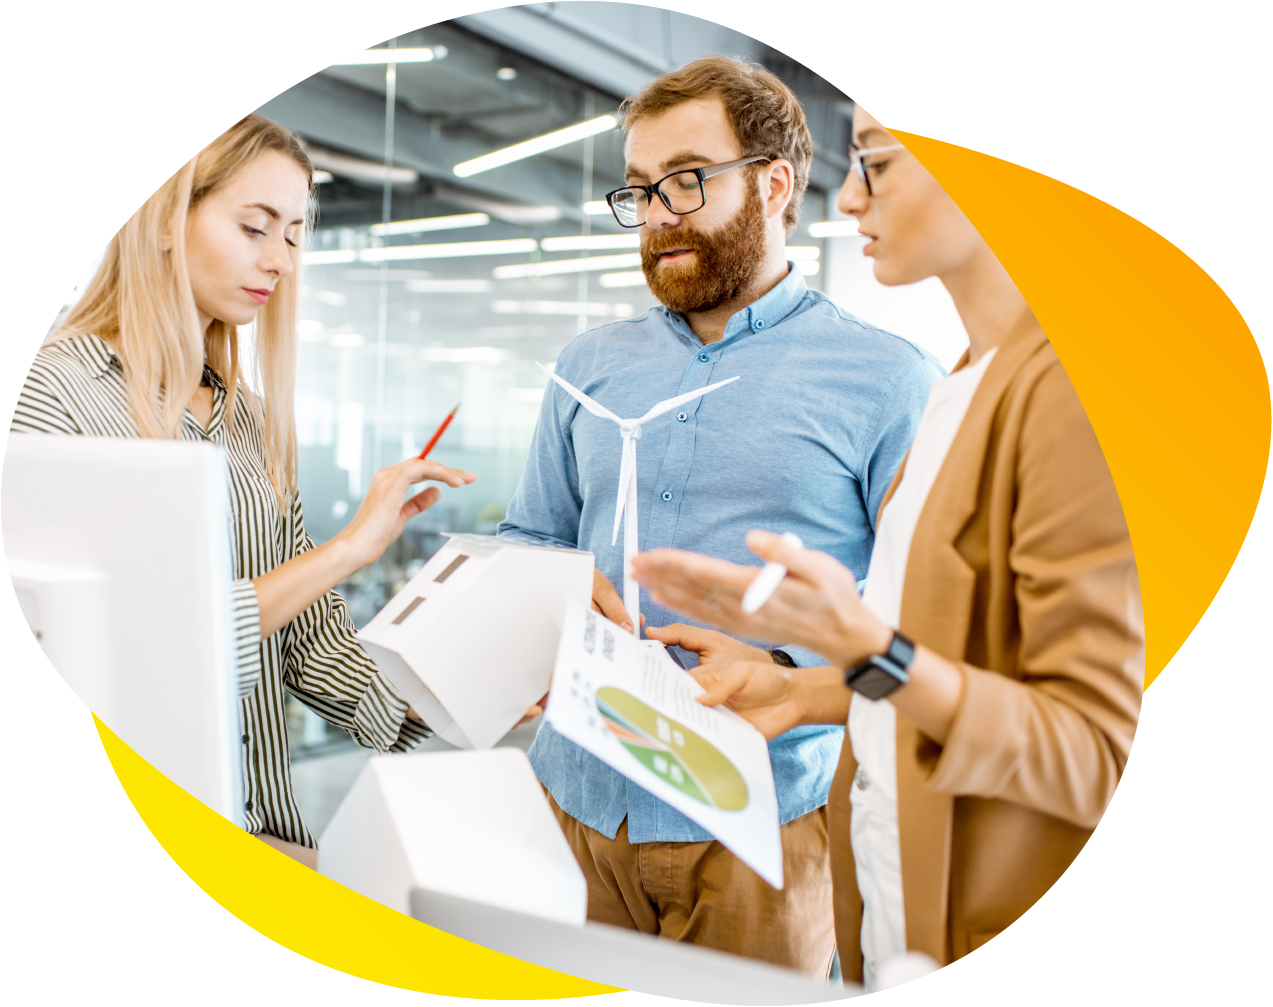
(863,158)
(681,192)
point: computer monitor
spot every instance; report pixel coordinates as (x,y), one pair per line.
(119,551)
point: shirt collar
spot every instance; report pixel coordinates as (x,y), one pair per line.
(764,312)
(97,354)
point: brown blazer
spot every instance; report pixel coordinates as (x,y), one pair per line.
(1021,570)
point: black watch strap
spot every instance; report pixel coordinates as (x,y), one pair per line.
(783,658)
(879,674)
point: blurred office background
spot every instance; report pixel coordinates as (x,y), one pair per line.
(426,286)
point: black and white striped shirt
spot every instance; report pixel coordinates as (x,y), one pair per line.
(76,386)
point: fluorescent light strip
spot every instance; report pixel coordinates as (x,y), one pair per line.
(431,224)
(449,250)
(32,57)
(611,280)
(322,177)
(802,253)
(580,242)
(808,267)
(566,266)
(331,257)
(462,355)
(448,286)
(444,250)
(596,308)
(834,229)
(537,145)
(596,207)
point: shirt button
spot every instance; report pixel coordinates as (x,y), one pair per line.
(682,417)
(667,494)
(245,739)
(247,806)
(862,780)
(704,357)
(759,323)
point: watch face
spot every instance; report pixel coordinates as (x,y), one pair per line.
(874,683)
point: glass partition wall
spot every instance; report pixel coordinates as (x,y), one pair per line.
(427,286)
(421,293)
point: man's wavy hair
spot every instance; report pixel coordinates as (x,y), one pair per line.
(766,117)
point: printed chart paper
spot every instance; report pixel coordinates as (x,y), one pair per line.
(627,703)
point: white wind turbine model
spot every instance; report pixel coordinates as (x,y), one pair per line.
(630,430)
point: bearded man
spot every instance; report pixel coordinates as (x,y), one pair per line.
(807,441)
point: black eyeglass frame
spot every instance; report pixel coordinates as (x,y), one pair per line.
(858,164)
(701,173)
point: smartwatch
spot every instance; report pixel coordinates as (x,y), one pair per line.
(880,674)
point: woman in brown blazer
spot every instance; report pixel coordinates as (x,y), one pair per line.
(999,646)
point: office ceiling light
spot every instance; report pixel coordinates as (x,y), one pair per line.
(449,250)
(346,341)
(809,267)
(322,177)
(596,207)
(376,275)
(566,266)
(462,355)
(803,253)
(598,309)
(330,257)
(536,145)
(352,166)
(611,280)
(580,242)
(448,286)
(40,57)
(834,229)
(447,223)
(506,73)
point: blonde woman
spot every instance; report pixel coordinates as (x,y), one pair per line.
(990,676)
(152,350)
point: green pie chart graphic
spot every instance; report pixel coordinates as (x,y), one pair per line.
(668,748)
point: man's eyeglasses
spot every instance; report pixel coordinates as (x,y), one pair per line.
(863,158)
(681,192)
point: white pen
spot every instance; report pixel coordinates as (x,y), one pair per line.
(765,583)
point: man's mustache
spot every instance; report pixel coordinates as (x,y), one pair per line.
(663,240)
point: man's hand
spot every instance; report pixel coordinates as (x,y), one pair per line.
(763,693)
(606,600)
(710,646)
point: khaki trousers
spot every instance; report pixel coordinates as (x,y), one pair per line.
(297,852)
(703,894)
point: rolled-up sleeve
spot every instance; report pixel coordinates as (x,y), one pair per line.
(245,618)
(545,509)
(1055,738)
(326,669)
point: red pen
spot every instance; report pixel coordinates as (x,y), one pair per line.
(440,431)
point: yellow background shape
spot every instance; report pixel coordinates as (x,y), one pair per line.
(1166,368)
(314,916)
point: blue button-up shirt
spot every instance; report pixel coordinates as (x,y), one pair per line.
(807,441)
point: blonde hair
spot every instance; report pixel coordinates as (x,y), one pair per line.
(140,301)
(765,115)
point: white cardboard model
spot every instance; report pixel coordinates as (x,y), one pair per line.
(475,825)
(471,640)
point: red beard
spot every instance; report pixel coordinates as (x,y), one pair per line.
(725,260)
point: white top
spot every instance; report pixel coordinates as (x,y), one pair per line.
(873,725)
